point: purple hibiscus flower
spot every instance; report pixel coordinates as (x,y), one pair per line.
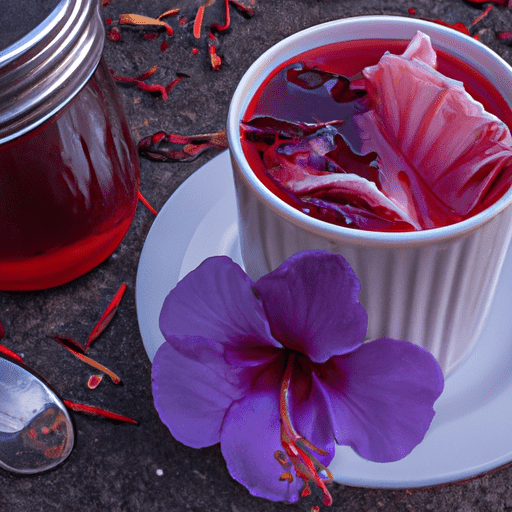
(277,372)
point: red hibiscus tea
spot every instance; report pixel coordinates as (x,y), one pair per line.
(299,126)
(68,191)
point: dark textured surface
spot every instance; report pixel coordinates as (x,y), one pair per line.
(18,18)
(114,467)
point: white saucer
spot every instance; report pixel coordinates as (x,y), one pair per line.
(472,430)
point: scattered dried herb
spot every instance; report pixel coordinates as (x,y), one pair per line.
(198,22)
(107,315)
(137,19)
(213,44)
(97,411)
(87,360)
(144,201)
(502,3)
(221,28)
(170,12)
(114,34)
(244,9)
(481,16)
(94,381)
(71,342)
(172,147)
(215,60)
(10,354)
(140,83)
(505,36)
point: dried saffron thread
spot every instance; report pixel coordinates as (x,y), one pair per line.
(482,16)
(248,11)
(170,12)
(97,411)
(10,354)
(2,331)
(307,466)
(220,28)
(146,204)
(137,19)
(91,362)
(94,381)
(107,316)
(198,22)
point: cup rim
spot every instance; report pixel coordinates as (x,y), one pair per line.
(488,63)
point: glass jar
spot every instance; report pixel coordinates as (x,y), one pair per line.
(68,167)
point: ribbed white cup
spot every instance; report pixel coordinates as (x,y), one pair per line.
(433,287)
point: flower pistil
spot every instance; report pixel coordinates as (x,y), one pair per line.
(297,448)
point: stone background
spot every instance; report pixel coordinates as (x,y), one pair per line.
(114,466)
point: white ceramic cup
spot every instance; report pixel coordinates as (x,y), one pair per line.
(433,287)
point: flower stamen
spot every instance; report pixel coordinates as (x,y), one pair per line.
(299,449)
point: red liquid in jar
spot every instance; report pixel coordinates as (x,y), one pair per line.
(276,98)
(68,190)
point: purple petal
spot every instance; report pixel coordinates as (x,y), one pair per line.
(249,439)
(311,302)
(382,397)
(310,413)
(192,396)
(216,301)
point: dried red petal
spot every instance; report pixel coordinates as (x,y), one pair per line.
(198,22)
(244,9)
(151,36)
(97,411)
(136,19)
(107,316)
(180,148)
(94,381)
(170,12)
(144,201)
(504,35)
(215,60)
(164,46)
(108,21)
(70,341)
(91,362)
(140,84)
(104,2)
(502,3)
(170,86)
(411,10)
(157,137)
(153,88)
(2,331)
(481,16)
(220,28)
(114,34)
(10,354)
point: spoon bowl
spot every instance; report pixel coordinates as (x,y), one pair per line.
(36,432)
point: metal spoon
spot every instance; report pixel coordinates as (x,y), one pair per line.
(36,433)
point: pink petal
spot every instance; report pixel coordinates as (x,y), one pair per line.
(440,152)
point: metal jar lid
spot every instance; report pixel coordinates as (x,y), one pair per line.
(44,67)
